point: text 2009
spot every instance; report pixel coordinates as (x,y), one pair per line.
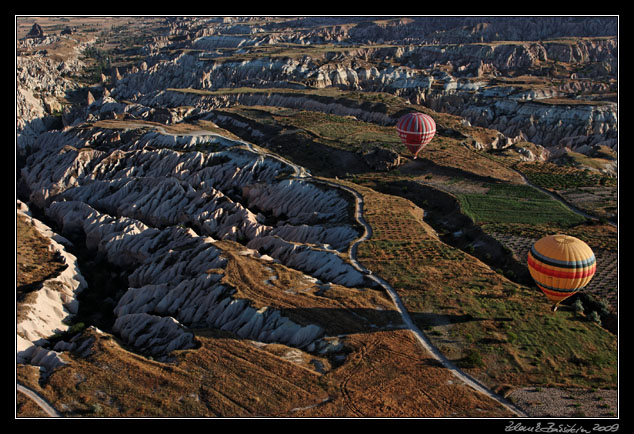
(606,428)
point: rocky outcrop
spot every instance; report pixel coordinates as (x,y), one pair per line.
(172,286)
(51,307)
(516,57)
(382,159)
(510,110)
(447,64)
(42,84)
(362,68)
(549,125)
(297,202)
(316,262)
(153,335)
(385,30)
(155,204)
(36,31)
(456,30)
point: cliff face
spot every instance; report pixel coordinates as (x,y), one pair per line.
(49,306)
(454,64)
(551,125)
(345,67)
(41,85)
(456,30)
(397,30)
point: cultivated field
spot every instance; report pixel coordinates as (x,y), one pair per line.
(450,230)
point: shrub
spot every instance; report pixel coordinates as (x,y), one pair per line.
(594,317)
(473,359)
(512,337)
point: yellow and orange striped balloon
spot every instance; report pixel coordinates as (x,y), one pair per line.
(561,265)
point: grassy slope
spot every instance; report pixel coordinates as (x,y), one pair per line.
(502,332)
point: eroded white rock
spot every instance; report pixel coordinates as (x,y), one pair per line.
(154,335)
(156,204)
(52,305)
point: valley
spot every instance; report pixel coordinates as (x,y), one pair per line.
(220,209)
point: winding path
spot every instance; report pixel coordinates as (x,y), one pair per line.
(44,405)
(301,173)
(561,200)
(418,334)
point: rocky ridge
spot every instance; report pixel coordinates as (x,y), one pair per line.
(53,305)
(458,78)
(107,193)
(391,30)
(100,186)
(43,84)
(518,112)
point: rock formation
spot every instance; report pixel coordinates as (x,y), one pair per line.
(382,159)
(36,31)
(156,204)
(52,306)
(132,200)
(511,110)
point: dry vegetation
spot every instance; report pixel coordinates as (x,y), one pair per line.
(338,309)
(499,331)
(182,128)
(385,374)
(35,262)
(379,371)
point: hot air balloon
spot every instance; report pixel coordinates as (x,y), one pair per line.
(561,265)
(416,130)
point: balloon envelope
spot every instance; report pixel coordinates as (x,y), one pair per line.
(561,265)
(416,130)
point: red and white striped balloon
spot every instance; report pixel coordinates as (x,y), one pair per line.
(416,131)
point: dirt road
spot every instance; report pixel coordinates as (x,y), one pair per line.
(302,173)
(44,405)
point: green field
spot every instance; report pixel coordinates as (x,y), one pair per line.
(507,203)
(500,331)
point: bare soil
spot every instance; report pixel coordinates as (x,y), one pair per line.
(553,402)
(385,374)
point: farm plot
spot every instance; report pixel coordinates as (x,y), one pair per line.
(501,332)
(592,191)
(509,203)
